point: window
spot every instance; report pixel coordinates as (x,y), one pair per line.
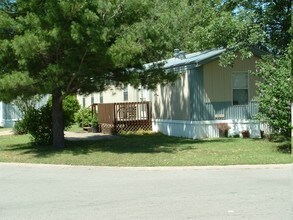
(240,88)
(101,97)
(92,99)
(125,93)
(83,102)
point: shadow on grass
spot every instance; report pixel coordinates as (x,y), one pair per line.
(284,144)
(147,143)
(38,151)
(285,148)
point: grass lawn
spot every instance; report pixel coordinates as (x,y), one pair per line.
(148,150)
(75,128)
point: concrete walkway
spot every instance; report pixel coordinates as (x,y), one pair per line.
(6,132)
(74,136)
(77,136)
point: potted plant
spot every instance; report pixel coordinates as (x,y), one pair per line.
(95,123)
(223,129)
(245,134)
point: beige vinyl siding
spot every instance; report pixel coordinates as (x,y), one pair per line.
(218,80)
(172,101)
(217,83)
(113,95)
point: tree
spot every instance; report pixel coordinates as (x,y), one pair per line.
(273,16)
(275,93)
(62,47)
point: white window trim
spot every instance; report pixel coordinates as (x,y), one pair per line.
(101,97)
(248,87)
(125,91)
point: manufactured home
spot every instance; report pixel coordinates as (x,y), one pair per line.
(205,96)
(9,114)
(113,95)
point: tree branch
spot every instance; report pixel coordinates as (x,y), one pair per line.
(68,90)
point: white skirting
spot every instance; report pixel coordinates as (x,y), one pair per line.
(206,129)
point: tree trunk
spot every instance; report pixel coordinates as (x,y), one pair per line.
(57,120)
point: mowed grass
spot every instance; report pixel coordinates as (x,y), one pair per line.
(148,150)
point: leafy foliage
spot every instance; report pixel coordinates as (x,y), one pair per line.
(274,17)
(24,103)
(275,93)
(80,46)
(70,107)
(20,128)
(84,117)
(95,121)
(38,123)
(64,47)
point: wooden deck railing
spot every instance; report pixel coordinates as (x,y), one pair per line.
(124,116)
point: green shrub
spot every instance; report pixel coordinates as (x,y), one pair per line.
(38,123)
(274,93)
(95,121)
(84,117)
(70,108)
(20,128)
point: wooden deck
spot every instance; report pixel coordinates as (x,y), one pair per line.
(124,116)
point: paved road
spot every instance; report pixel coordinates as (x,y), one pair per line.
(68,192)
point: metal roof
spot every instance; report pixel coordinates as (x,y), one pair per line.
(197,58)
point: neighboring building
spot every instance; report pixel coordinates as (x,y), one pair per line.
(127,94)
(9,113)
(205,95)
